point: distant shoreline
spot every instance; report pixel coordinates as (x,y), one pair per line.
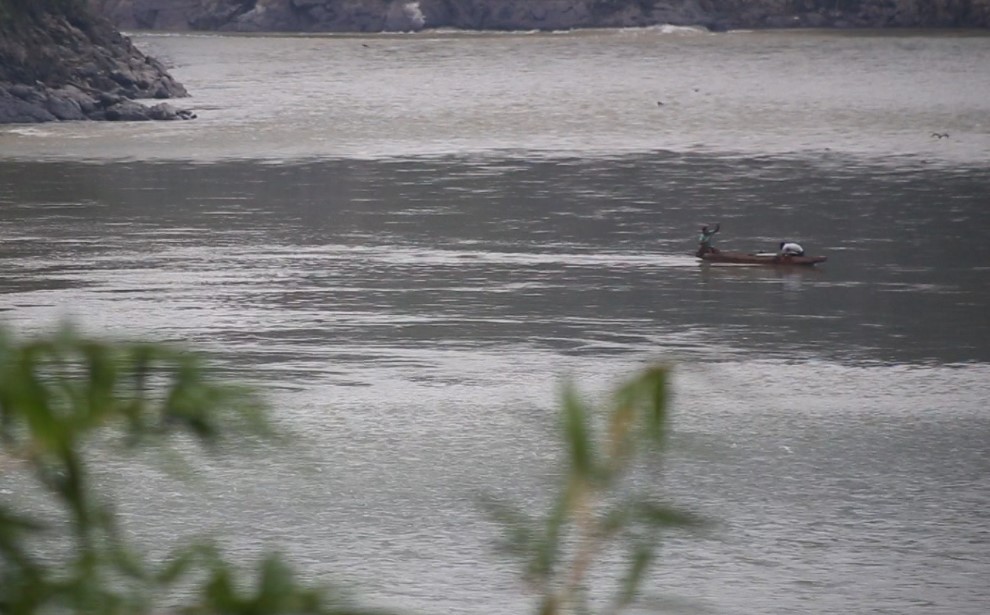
(453,32)
(379,16)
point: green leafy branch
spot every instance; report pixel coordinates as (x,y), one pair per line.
(63,395)
(56,394)
(595,507)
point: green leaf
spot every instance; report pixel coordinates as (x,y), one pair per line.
(181,563)
(577,435)
(658,515)
(655,381)
(616,519)
(518,529)
(639,562)
(275,586)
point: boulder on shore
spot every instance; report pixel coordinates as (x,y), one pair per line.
(58,62)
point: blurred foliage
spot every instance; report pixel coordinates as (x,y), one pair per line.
(57,395)
(599,506)
(64,394)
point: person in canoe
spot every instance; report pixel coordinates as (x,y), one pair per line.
(789,248)
(705,240)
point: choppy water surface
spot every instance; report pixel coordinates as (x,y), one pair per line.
(411,240)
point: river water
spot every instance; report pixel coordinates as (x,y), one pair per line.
(410,241)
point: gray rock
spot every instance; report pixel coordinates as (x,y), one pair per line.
(165,111)
(64,108)
(127,111)
(131,111)
(86,101)
(14,110)
(26,92)
(105,99)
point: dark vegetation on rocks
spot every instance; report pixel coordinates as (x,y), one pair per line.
(413,15)
(60,62)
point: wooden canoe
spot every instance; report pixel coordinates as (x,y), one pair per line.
(741,258)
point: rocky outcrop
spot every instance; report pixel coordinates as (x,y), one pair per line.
(59,62)
(849,13)
(414,15)
(393,15)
